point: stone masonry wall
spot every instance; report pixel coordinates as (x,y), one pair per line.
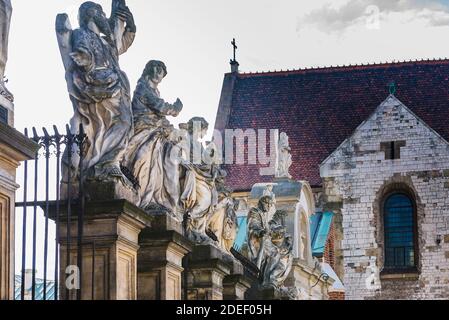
(358,175)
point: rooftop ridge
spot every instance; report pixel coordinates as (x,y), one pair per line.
(357,66)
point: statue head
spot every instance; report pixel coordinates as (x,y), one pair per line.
(91,12)
(155,71)
(197,126)
(265,203)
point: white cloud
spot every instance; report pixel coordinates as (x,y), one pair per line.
(371,13)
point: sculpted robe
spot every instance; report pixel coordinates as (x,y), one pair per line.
(256,224)
(150,155)
(100,94)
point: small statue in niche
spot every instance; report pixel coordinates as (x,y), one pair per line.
(284,157)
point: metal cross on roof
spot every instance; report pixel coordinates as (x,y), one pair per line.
(234,45)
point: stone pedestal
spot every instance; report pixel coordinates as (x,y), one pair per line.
(312,282)
(14,147)
(110,246)
(206,270)
(237,283)
(162,249)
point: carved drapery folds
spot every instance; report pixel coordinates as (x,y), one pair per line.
(269,245)
(130,141)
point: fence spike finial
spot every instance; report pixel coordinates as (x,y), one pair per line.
(55,129)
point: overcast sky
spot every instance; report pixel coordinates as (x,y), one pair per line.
(193,38)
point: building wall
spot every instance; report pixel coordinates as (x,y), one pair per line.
(357,177)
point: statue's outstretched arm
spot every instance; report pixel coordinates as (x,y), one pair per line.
(64,35)
(123,34)
(160,105)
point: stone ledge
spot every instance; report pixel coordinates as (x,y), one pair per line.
(99,209)
(412,276)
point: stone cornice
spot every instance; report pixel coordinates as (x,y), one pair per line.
(23,146)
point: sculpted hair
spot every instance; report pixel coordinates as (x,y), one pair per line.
(149,68)
(87,12)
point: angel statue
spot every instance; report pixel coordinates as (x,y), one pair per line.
(98,88)
(5,22)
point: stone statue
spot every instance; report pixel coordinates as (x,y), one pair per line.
(269,192)
(153,154)
(284,157)
(98,88)
(258,230)
(5,21)
(223,221)
(279,252)
(200,195)
(270,247)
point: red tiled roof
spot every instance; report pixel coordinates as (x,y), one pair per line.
(320,108)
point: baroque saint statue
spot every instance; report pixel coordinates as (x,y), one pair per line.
(153,154)
(98,88)
(5,21)
(269,245)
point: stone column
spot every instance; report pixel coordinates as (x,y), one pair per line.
(14,147)
(162,250)
(207,269)
(110,246)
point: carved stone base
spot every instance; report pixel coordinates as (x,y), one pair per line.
(311,282)
(237,283)
(102,191)
(207,269)
(110,245)
(159,270)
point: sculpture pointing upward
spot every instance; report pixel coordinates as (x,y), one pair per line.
(98,88)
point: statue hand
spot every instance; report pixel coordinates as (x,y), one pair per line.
(178,105)
(125,15)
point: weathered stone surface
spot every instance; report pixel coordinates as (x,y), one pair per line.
(207,269)
(160,260)
(113,227)
(98,88)
(421,170)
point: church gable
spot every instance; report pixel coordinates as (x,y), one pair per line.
(392,138)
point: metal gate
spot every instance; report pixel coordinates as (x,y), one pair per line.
(41,187)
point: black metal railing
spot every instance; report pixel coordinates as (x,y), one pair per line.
(54,149)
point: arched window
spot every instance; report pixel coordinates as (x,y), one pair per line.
(400,233)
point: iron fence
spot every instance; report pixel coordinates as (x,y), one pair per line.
(54,149)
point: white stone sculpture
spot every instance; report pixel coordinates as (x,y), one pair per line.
(5,21)
(269,245)
(98,88)
(152,152)
(284,158)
